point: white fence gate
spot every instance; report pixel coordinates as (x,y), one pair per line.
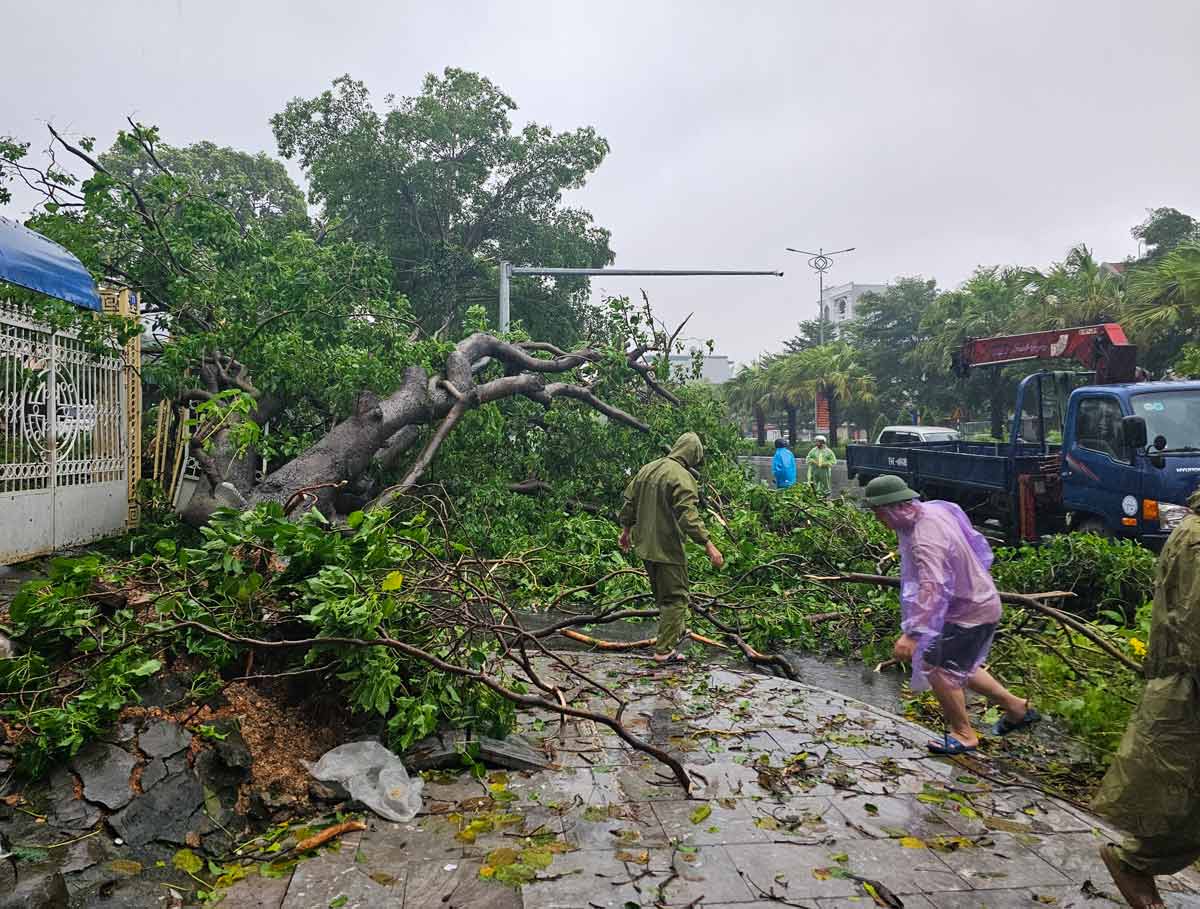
(70,424)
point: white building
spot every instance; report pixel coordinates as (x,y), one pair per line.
(714,369)
(839,302)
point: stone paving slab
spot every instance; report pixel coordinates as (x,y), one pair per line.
(804,793)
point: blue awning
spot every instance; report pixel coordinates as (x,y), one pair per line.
(38,263)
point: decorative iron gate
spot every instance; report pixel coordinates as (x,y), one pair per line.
(69,434)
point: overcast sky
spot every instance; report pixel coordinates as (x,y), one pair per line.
(933,136)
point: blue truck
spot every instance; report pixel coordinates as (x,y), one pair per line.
(1115,456)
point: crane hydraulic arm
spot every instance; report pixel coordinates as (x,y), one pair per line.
(1103,348)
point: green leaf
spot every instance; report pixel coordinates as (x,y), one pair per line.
(338,901)
(392,581)
(700,815)
(187,861)
(355,519)
(146,667)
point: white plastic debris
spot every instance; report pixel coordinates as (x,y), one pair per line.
(373,776)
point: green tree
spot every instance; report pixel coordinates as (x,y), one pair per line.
(982,307)
(444,185)
(1163,230)
(255,189)
(1076,291)
(809,335)
(784,392)
(1165,303)
(832,370)
(886,332)
(747,394)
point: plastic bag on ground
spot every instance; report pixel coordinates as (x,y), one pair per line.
(374,776)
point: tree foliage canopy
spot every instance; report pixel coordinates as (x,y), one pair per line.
(443,184)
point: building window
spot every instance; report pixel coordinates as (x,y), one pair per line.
(842,306)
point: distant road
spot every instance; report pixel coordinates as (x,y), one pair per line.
(762,467)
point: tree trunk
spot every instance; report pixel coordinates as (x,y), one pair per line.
(760,420)
(791,421)
(996,402)
(384,428)
(833,419)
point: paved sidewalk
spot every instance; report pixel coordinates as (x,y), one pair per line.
(812,799)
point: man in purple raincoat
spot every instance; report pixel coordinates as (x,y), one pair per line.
(949,608)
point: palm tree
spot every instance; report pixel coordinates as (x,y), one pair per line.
(746,393)
(832,370)
(1163,305)
(984,306)
(1166,292)
(783,392)
(1075,291)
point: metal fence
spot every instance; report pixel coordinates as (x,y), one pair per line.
(70,426)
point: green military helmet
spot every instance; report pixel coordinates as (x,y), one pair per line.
(887,490)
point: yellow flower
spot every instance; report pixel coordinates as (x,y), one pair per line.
(1137,646)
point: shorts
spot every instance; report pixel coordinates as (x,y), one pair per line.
(960,648)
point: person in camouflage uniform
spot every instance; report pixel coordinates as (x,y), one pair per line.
(1152,789)
(660,513)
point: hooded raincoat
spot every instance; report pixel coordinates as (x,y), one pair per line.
(662,504)
(948,600)
(820,467)
(783,466)
(1152,789)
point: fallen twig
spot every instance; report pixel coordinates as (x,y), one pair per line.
(1026,600)
(329,833)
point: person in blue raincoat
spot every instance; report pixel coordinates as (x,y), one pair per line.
(783,465)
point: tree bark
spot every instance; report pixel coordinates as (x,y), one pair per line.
(996,403)
(791,422)
(760,421)
(833,419)
(381,429)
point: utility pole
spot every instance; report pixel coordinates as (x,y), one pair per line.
(507,270)
(820,262)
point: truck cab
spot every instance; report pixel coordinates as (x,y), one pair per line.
(1131,457)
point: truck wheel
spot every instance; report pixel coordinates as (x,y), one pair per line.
(1092,525)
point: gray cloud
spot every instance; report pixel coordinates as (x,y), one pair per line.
(933,136)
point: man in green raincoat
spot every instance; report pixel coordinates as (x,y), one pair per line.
(820,462)
(661,512)
(1152,789)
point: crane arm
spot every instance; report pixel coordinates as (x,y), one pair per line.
(1103,348)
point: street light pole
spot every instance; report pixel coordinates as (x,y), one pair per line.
(820,262)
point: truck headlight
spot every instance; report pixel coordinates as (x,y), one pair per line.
(1171,516)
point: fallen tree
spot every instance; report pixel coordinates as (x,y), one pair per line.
(266,321)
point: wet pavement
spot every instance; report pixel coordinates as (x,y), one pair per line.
(806,798)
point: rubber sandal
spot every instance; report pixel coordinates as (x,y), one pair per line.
(950,746)
(1004,726)
(1139,890)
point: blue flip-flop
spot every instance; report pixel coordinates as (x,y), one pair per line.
(1004,726)
(951,746)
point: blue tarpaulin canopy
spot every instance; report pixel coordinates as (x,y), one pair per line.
(31,260)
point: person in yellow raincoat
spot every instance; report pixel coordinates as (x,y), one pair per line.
(820,462)
(661,511)
(1152,789)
